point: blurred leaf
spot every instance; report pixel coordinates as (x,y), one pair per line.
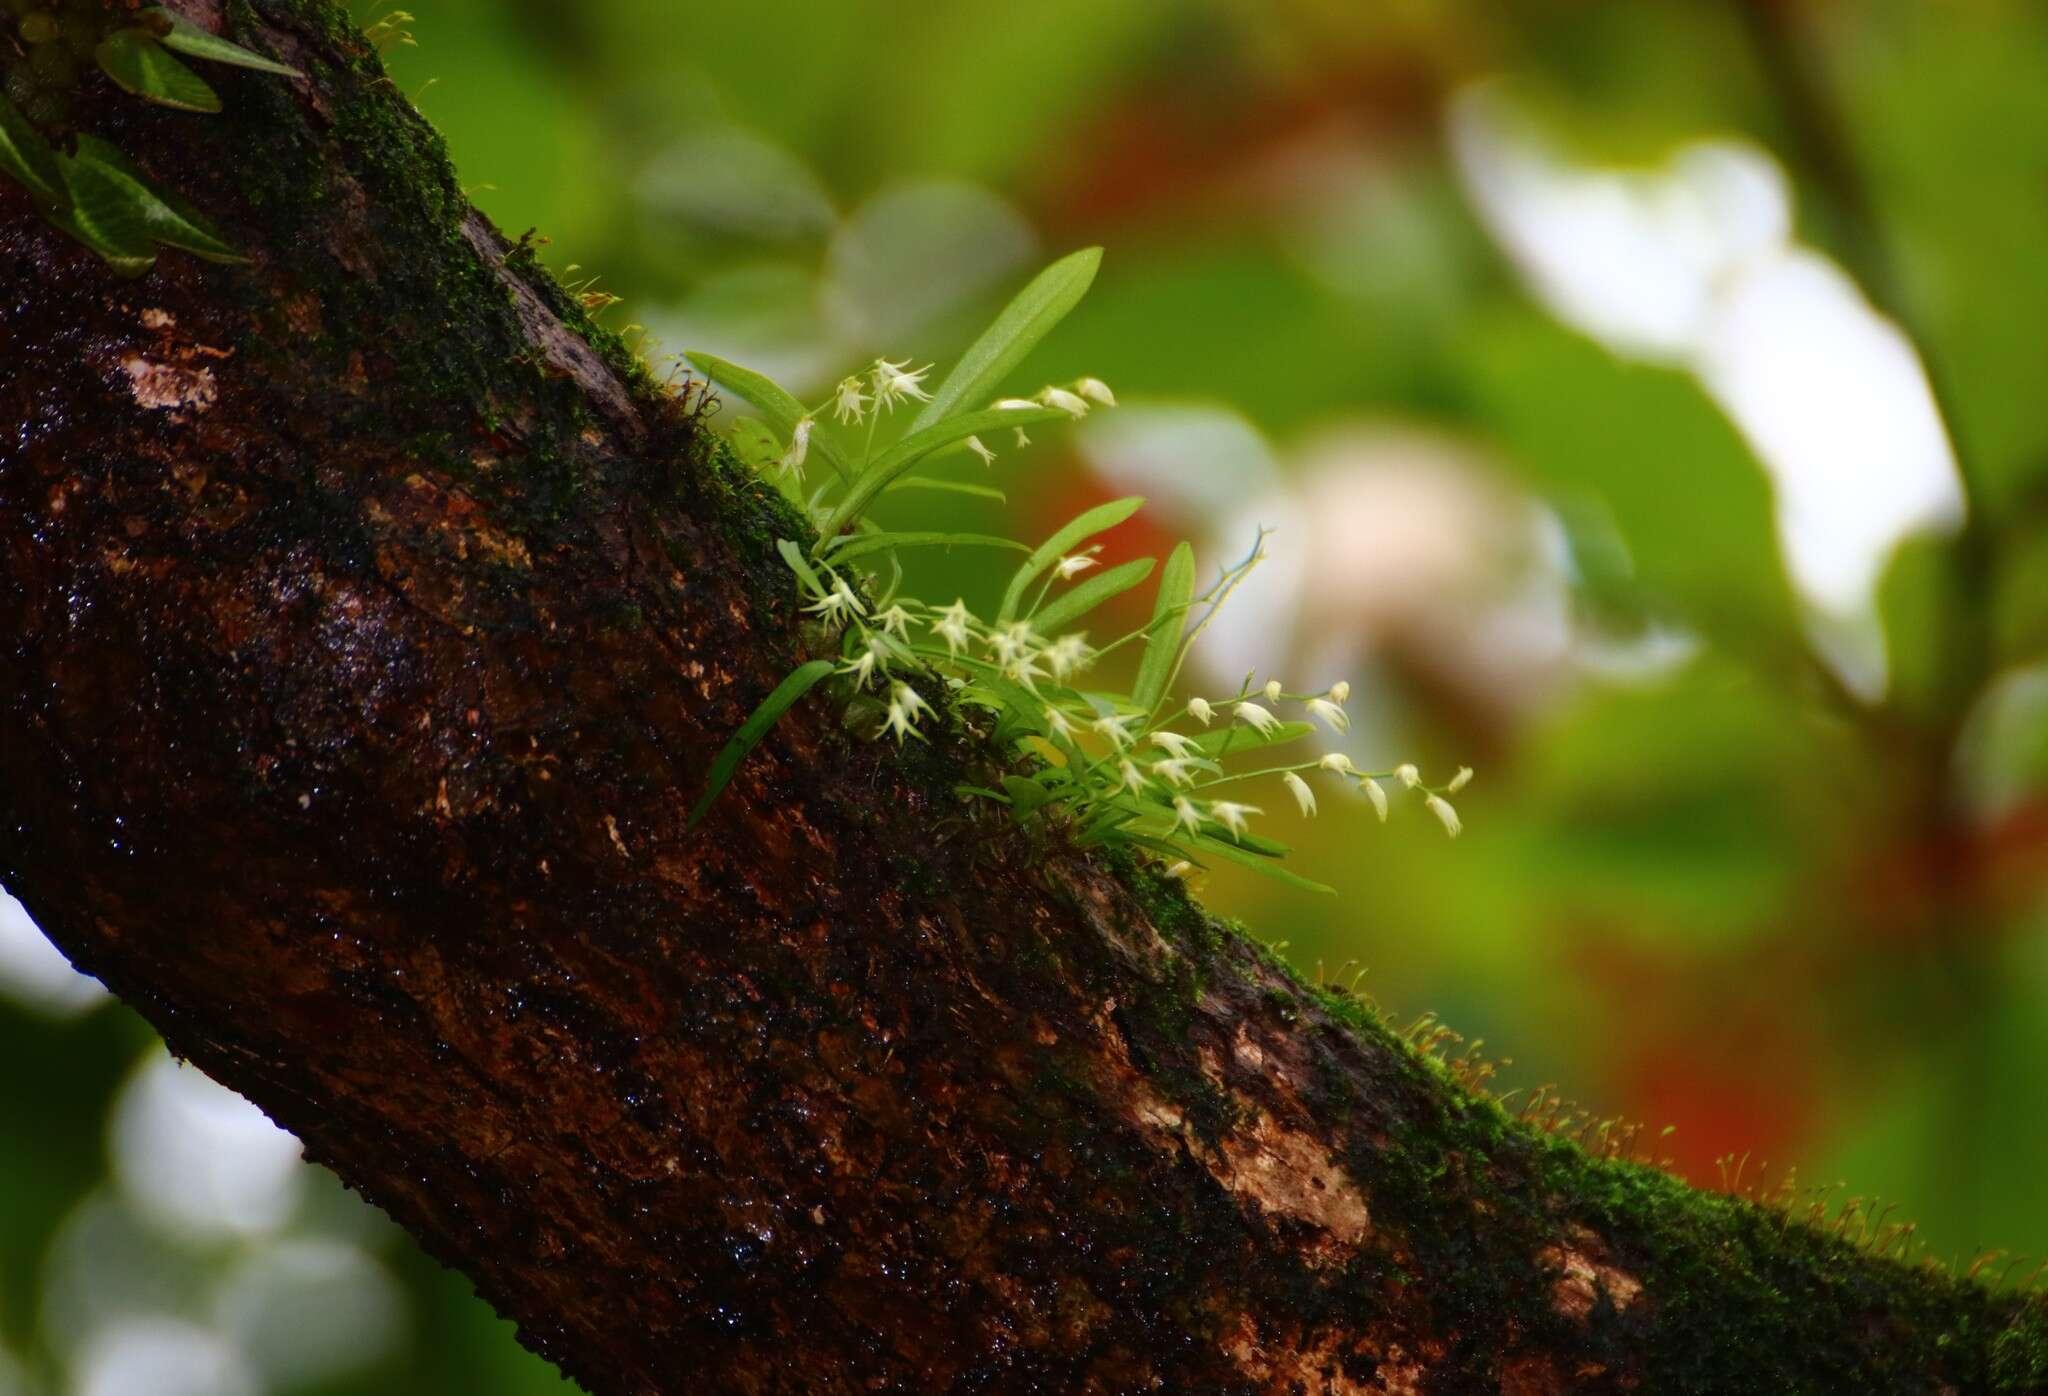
(860,545)
(947,487)
(138,63)
(1684,492)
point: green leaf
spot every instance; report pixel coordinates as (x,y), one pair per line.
(168,218)
(754,443)
(174,31)
(794,556)
(1025,320)
(782,411)
(919,444)
(1026,796)
(756,727)
(1257,863)
(105,216)
(1086,525)
(25,155)
(139,64)
(948,487)
(861,545)
(1237,736)
(1162,635)
(1065,610)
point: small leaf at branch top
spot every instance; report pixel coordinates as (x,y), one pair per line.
(174,31)
(1025,320)
(139,64)
(1065,610)
(755,728)
(1162,635)
(1086,525)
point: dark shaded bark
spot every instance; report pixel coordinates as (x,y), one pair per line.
(367,625)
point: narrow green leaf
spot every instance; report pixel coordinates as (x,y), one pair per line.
(917,482)
(104,215)
(1064,610)
(782,411)
(1237,737)
(860,545)
(1027,319)
(1026,796)
(1086,525)
(25,155)
(174,31)
(754,443)
(919,444)
(168,218)
(1162,635)
(794,556)
(1268,866)
(756,727)
(139,64)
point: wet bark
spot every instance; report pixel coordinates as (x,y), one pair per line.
(367,624)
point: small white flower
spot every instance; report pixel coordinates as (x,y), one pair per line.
(1064,401)
(951,626)
(1330,713)
(1459,781)
(849,403)
(1072,567)
(1180,868)
(1060,723)
(1173,743)
(1129,776)
(1340,691)
(1374,793)
(1023,668)
(893,622)
(1175,771)
(1257,718)
(840,600)
(863,668)
(896,381)
(1340,763)
(976,445)
(1303,796)
(1231,815)
(1009,642)
(1095,390)
(1273,690)
(904,708)
(1014,404)
(1067,654)
(1200,711)
(1445,815)
(799,447)
(1185,815)
(1116,727)
(1408,775)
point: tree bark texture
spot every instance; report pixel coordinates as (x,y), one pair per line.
(368,622)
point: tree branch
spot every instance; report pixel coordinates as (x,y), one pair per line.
(368,622)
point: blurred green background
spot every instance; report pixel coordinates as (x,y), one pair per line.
(1647,397)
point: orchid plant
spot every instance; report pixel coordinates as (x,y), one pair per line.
(1136,767)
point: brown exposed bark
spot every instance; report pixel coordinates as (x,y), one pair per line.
(365,634)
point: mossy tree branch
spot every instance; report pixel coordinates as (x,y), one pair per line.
(368,622)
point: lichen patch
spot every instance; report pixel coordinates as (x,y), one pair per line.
(1582,1279)
(169,387)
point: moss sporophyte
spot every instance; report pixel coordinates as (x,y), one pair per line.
(1132,769)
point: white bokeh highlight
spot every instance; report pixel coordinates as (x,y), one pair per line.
(1693,265)
(197,1159)
(163,1357)
(35,974)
